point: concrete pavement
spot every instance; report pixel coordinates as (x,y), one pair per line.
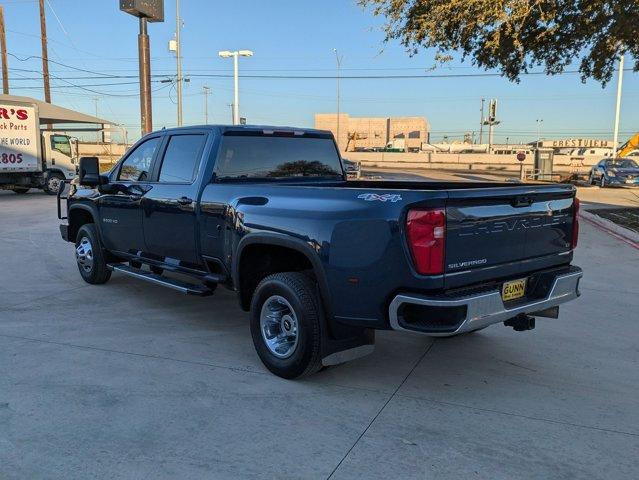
(128,380)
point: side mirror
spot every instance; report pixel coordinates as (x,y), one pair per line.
(89,172)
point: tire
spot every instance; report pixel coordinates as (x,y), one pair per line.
(293,303)
(90,256)
(602,182)
(52,183)
(20,191)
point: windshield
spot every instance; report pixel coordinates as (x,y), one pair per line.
(621,164)
(260,156)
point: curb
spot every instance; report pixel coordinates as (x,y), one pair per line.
(611,228)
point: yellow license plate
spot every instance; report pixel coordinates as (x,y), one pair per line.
(513,290)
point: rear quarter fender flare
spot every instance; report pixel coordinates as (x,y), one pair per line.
(286,241)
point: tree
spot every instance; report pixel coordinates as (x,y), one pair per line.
(516,35)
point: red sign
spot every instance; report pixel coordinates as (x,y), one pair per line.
(521,156)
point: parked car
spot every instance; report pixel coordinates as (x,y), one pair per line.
(321,262)
(621,172)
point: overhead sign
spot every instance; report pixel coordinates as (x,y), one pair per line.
(577,143)
(152,10)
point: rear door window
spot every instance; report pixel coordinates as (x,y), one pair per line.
(182,158)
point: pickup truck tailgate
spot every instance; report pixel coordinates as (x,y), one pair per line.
(498,226)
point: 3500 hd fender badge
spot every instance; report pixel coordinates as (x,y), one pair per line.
(386,197)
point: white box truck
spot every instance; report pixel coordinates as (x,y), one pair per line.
(31,157)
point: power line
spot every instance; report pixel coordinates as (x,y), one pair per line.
(57,63)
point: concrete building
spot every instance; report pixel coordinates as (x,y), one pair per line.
(360,133)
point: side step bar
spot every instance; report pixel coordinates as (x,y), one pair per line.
(180,286)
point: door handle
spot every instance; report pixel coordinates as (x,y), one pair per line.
(185,201)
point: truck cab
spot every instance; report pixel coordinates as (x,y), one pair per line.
(59,158)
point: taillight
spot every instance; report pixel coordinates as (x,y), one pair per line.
(575,223)
(426,231)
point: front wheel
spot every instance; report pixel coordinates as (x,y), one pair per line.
(90,257)
(285,324)
(53,182)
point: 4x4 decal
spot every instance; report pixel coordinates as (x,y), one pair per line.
(372,197)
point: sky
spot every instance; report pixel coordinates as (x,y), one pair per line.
(289,38)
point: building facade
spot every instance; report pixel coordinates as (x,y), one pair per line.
(363,133)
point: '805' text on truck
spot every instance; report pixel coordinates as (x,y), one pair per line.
(321,262)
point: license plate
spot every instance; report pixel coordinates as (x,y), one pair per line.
(514,289)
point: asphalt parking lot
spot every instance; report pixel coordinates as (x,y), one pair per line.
(128,380)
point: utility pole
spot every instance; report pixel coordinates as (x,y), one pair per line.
(339,66)
(481,122)
(206,90)
(178,57)
(97,134)
(45,55)
(615,140)
(3,46)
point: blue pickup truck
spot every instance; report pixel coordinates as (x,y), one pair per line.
(321,262)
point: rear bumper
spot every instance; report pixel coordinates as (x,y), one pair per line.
(451,315)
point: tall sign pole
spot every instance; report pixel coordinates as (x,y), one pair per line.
(45,54)
(144,57)
(3,46)
(146,11)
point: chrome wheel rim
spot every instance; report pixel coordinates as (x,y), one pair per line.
(279,326)
(84,254)
(53,184)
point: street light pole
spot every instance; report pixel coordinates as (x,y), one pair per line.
(236,81)
(236,89)
(615,140)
